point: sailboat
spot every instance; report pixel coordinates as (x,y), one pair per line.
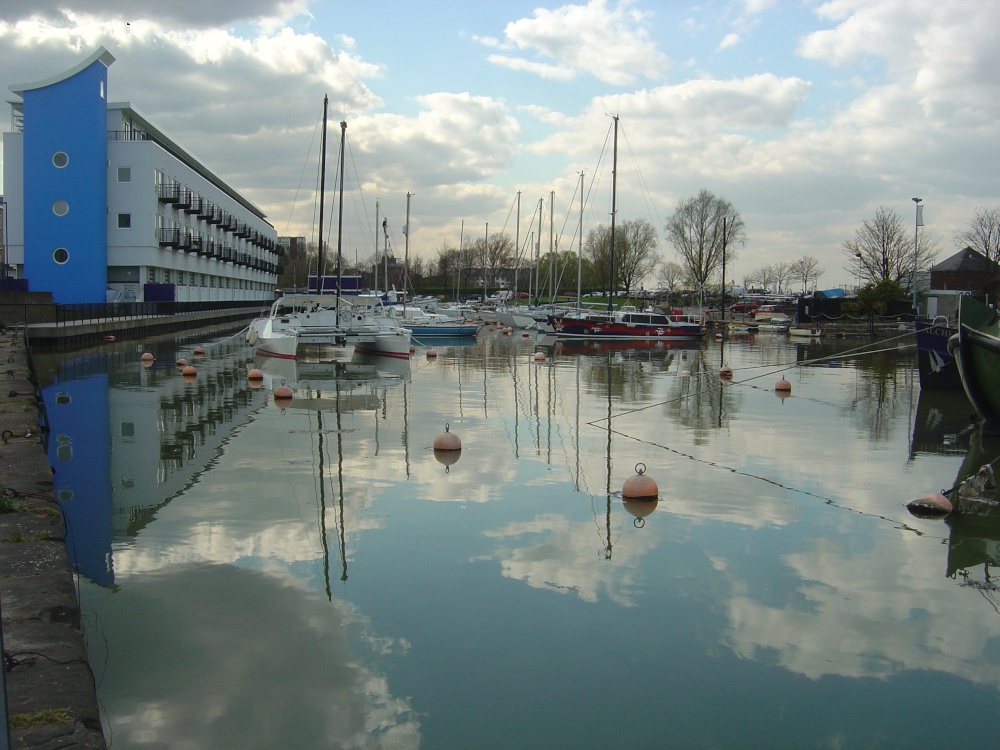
(626,323)
(322,318)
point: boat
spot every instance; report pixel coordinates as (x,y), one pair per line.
(976,349)
(935,364)
(425,324)
(320,318)
(625,323)
(805,331)
(774,323)
(296,320)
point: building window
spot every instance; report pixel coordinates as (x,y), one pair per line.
(60,208)
(152,275)
(60,159)
(124,221)
(124,174)
(102,89)
(61,255)
(204,280)
(180,278)
(166,276)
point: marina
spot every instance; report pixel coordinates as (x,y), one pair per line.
(313,570)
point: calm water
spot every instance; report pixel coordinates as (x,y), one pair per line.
(312,576)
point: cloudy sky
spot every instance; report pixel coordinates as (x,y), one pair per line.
(806,115)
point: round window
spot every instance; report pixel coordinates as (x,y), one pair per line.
(61,255)
(60,208)
(60,159)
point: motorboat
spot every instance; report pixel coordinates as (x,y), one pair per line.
(976,349)
(626,323)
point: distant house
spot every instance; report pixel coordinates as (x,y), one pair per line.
(966,270)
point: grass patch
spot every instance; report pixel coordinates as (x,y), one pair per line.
(41,718)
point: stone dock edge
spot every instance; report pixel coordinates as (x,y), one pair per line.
(48,688)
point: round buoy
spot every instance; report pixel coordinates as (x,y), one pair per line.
(639,486)
(539,356)
(447,458)
(412,348)
(432,353)
(255,378)
(182,362)
(146,357)
(525,334)
(189,373)
(447,441)
(718,337)
(931,505)
(282,391)
(199,352)
(685,373)
(725,372)
(783,386)
(109,338)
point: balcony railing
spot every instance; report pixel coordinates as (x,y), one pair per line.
(168,192)
(168,236)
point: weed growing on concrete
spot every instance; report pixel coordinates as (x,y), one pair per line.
(41,718)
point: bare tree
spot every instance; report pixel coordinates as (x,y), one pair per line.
(804,269)
(982,234)
(635,252)
(782,274)
(696,232)
(882,249)
(670,275)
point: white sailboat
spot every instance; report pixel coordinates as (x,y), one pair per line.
(327,319)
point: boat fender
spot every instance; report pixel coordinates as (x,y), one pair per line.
(931,505)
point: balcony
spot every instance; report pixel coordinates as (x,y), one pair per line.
(168,236)
(207,210)
(216,216)
(168,192)
(197,243)
(184,197)
(195,205)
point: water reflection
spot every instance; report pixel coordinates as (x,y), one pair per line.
(320,550)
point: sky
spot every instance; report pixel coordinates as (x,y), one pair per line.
(807,116)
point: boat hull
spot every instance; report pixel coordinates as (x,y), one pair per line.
(566,327)
(935,363)
(976,349)
(443,331)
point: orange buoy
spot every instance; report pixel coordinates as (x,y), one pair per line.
(783,386)
(539,356)
(146,357)
(931,505)
(432,353)
(447,458)
(182,362)
(199,352)
(718,337)
(188,370)
(282,392)
(725,372)
(109,338)
(447,441)
(412,348)
(639,486)
(255,377)
(525,334)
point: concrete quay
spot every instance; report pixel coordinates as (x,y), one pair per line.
(51,698)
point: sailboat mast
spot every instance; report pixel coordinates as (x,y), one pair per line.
(579,249)
(406,252)
(375,284)
(322,193)
(614,212)
(340,216)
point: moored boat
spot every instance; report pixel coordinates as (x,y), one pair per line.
(626,323)
(805,331)
(935,363)
(976,349)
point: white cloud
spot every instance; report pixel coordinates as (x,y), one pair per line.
(610,44)
(730,40)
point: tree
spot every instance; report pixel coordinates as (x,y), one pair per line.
(804,269)
(495,253)
(670,275)
(635,253)
(882,249)
(696,232)
(782,273)
(982,234)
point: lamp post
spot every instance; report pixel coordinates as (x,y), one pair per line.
(918,221)
(858,256)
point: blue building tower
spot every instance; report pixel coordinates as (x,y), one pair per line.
(65,178)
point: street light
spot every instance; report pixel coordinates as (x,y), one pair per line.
(917,222)
(858,256)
